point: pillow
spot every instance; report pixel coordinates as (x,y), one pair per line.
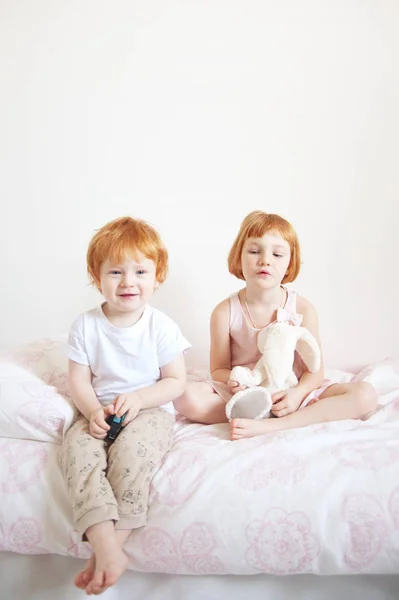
(34,398)
(47,358)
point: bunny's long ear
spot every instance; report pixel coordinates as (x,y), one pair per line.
(308,349)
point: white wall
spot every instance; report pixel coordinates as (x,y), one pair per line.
(190,114)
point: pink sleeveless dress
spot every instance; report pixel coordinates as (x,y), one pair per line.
(243,343)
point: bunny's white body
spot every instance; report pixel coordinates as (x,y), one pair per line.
(274,370)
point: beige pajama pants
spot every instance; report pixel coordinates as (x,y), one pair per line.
(111,482)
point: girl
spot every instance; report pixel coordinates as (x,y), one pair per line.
(266,255)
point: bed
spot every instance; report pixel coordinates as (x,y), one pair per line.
(225,519)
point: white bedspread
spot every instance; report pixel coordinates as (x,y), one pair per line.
(322,499)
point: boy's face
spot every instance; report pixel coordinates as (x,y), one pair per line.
(127,286)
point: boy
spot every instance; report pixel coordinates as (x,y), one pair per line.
(125,358)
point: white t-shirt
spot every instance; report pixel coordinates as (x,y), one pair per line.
(124,359)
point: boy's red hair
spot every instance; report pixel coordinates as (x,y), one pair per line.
(255,225)
(122,237)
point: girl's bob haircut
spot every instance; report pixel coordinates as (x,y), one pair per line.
(255,225)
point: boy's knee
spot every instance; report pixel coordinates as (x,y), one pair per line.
(366,398)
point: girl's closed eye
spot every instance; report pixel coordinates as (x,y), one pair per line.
(254,251)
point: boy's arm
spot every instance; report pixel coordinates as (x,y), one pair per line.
(171,386)
(83,395)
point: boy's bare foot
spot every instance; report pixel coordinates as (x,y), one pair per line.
(245,428)
(83,578)
(110,564)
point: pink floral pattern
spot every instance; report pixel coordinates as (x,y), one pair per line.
(366,455)
(23,464)
(338,482)
(289,468)
(23,537)
(282,543)
(160,549)
(367,530)
(181,474)
(39,356)
(394,506)
(41,416)
(79,549)
(194,551)
(58,379)
(24,358)
(37,390)
(30,408)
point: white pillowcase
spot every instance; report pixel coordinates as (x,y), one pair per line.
(34,399)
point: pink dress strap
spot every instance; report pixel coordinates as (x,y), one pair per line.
(288,314)
(235,311)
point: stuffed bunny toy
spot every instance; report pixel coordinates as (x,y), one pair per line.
(274,370)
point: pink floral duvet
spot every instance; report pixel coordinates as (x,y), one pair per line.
(323,499)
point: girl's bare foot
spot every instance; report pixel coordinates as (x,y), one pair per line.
(84,577)
(245,428)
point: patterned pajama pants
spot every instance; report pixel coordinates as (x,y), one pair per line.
(111,482)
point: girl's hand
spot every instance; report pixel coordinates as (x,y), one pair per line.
(286,402)
(98,427)
(235,387)
(128,405)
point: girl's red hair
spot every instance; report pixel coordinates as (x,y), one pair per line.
(255,225)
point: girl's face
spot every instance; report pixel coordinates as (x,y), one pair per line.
(265,260)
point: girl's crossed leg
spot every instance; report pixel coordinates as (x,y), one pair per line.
(338,402)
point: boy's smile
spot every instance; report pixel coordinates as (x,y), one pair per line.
(127,286)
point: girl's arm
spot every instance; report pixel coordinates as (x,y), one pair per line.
(310,381)
(220,359)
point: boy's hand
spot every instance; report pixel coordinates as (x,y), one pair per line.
(286,402)
(235,387)
(98,427)
(128,405)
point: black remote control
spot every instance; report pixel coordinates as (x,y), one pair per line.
(115,424)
